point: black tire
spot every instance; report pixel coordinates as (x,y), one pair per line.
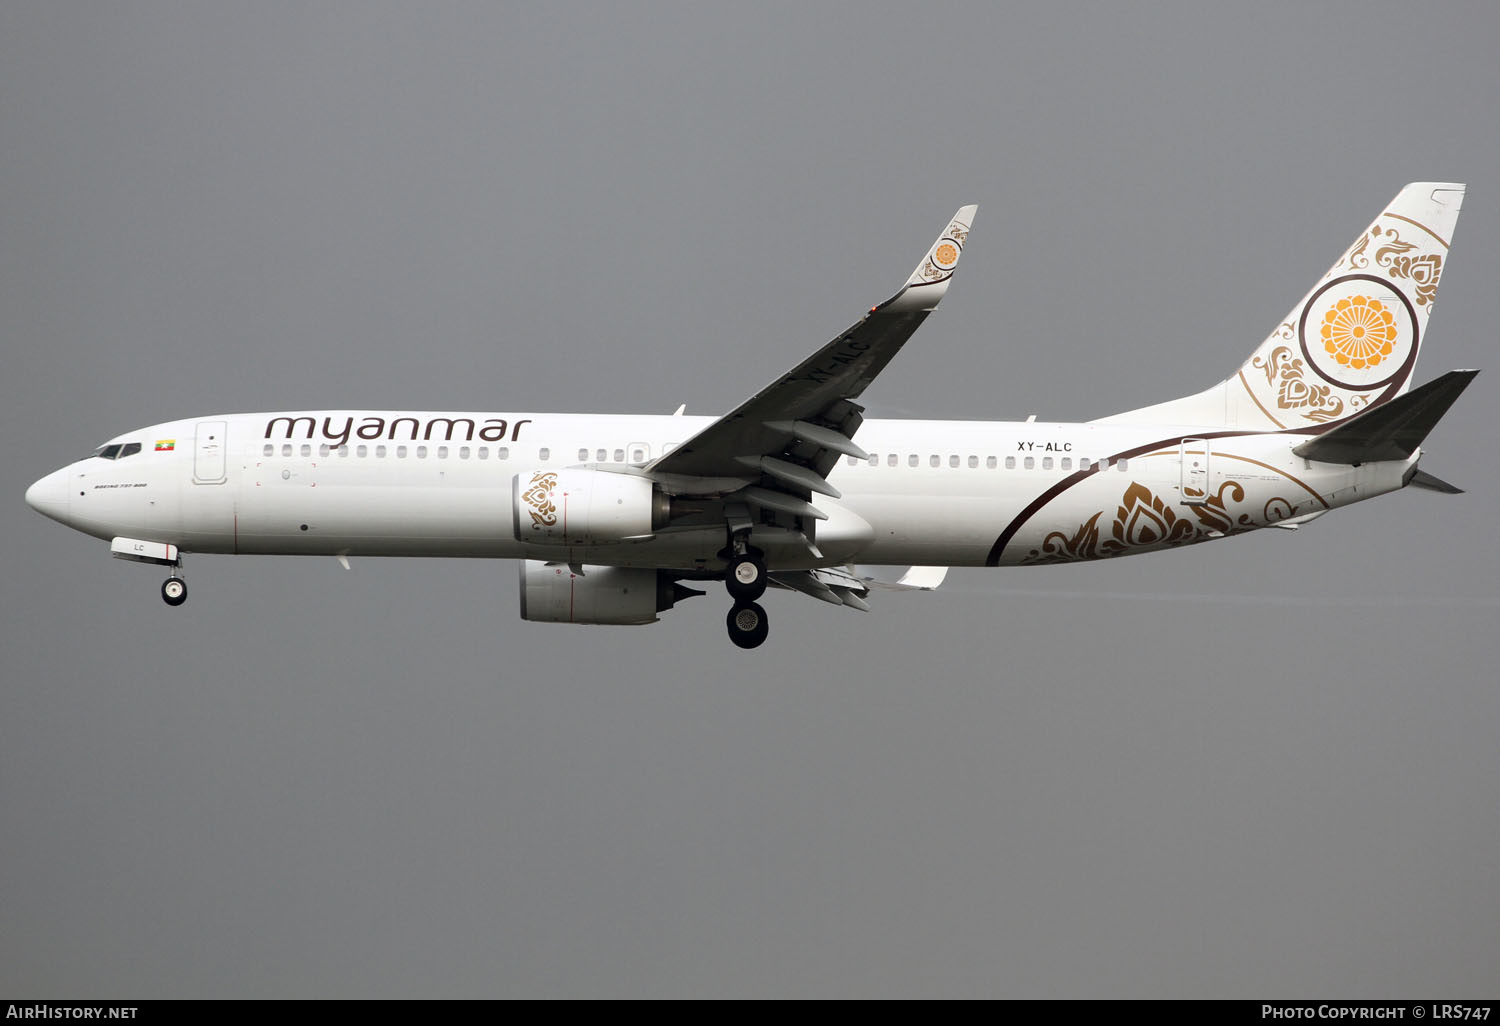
(745,580)
(747,625)
(174,591)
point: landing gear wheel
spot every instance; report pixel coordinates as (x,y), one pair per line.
(745,580)
(174,591)
(747,625)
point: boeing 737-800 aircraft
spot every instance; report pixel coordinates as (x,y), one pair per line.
(795,488)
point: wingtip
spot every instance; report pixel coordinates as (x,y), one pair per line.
(937,267)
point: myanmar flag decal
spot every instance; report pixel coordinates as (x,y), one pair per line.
(166,445)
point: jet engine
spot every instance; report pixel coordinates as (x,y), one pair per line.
(553,593)
(575,506)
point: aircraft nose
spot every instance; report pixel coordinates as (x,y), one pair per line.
(49,496)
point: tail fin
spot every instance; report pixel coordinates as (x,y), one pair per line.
(1352,342)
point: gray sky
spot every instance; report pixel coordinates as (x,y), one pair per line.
(1263,768)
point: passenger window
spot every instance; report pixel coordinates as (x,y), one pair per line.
(953,460)
(1046,462)
(619,455)
(990,463)
(935,461)
(421,452)
(380,451)
(286,450)
(362,451)
(343,450)
(913,460)
(1067,463)
(601,456)
(892,460)
(874,460)
(1010,463)
(583,455)
(852,461)
(268,450)
(973,462)
(463,452)
(502,453)
(1083,463)
(1031,463)
(637,455)
(400,452)
(322,450)
(546,454)
(484,452)
(442,452)
(1123,464)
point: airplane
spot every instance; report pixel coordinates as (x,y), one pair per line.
(615,517)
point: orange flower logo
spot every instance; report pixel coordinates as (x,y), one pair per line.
(1359,332)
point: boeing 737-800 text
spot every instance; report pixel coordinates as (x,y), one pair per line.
(795,489)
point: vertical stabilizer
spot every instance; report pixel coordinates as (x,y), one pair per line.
(1352,342)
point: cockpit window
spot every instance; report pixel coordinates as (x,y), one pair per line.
(118,451)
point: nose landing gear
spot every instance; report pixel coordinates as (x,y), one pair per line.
(174,591)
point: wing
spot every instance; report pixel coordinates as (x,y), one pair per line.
(784,440)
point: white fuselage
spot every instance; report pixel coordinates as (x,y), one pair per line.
(953,493)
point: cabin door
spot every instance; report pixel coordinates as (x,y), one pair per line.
(210,452)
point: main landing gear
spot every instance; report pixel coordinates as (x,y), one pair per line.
(747,624)
(745,580)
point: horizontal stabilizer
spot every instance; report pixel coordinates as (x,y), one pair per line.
(1422,479)
(1390,431)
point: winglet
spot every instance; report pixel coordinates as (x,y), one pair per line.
(929,282)
(916,578)
(924,578)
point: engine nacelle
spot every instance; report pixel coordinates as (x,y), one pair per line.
(575,506)
(552,593)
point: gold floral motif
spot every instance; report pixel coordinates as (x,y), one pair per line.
(1392,245)
(538,496)
(1295,392)
(931,272)
(1057,547)
(1422,271)
(1143,520)
(1215,516)
(1278,509)
(1359,332)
